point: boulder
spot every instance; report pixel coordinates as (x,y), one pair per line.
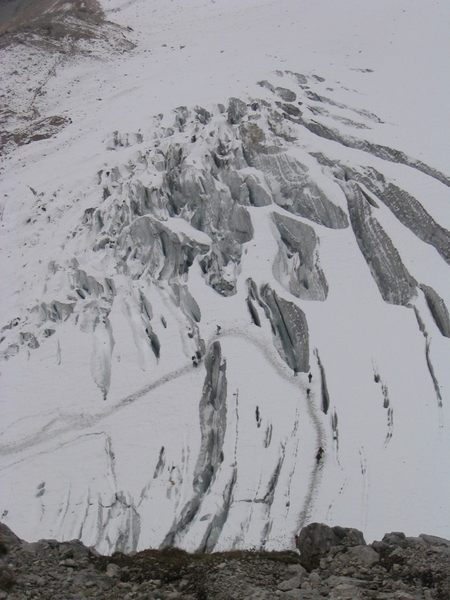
(348,536)
(434,540)
(316,540)
(344,591)
(293,582)
(113,570)
(395,538)
(300,595)
(361,556)
(7,537)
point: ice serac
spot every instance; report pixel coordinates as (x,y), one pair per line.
(148,247)
(408,211)
(213,419)
(438,309)
(323,385)
(395,283)
(237,109)
(214,529)
(291,184)
(101,355)
(123,514)
(383,152)
(296,264)
(200,198)
(430,365)
(290,329)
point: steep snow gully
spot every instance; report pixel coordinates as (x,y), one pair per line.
(227,323)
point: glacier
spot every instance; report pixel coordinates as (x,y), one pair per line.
(225,246)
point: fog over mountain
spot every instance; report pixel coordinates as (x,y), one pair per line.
(225,250)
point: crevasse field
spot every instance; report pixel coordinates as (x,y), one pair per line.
(231,249)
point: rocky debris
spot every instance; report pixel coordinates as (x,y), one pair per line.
(41,38)
(57,24)
(344,568)
(41,129)
(398,567)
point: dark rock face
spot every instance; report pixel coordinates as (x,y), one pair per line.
(7,537)
(396,568)
(315,541)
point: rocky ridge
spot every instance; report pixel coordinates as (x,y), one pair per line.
(37,41)
(332,562)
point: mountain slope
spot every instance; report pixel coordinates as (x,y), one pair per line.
(198,301)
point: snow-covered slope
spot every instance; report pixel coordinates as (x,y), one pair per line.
(233,252)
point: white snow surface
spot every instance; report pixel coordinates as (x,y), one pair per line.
(100,438)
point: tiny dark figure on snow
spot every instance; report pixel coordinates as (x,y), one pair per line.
(320,453)
(194,361)
(218,328)
(309,377)
(308,391)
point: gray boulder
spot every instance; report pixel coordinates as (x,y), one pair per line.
(363,556)
(7,537)
(316,540)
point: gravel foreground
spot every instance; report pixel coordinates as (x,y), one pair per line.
(330,563)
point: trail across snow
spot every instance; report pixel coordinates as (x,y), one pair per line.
(144,220)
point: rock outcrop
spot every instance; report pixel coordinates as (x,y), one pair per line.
(339,566)
(317,539)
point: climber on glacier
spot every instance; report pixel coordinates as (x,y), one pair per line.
(218,329)
(319,455)
(309,376)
